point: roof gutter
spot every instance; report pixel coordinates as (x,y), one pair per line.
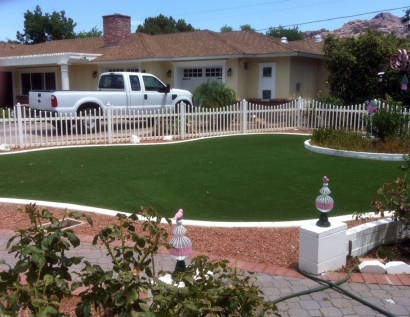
(47,59)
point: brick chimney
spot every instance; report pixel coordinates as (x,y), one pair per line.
(117,29)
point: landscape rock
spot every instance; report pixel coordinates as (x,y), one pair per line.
(397,267)
(135,139)
(4,147)
(372,267)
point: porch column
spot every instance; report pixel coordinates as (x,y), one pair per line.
(65,82)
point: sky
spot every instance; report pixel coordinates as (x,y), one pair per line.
(204,14)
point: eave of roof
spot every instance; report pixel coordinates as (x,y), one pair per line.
(196,45)
(55,58)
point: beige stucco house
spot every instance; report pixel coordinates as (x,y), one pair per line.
(254,65)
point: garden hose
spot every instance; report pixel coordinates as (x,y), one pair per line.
(335,285)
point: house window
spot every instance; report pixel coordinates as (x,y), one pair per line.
(266,94)
(267,72)
(213,72)
(37,81)
(192,72)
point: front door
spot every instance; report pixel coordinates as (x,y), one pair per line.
(267,74)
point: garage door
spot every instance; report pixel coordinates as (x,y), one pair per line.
(193,77)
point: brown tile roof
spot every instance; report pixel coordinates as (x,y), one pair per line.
(170,46)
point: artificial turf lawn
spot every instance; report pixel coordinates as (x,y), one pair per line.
(236,178)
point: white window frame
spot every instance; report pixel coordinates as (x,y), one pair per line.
(179,66)
(34,71)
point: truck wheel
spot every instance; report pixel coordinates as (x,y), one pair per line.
(188,106)
(63,127)
(88,123)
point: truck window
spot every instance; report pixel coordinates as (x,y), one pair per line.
(152,83)
(111,82)
(135,83)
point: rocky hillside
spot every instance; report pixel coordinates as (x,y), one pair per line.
(384,22)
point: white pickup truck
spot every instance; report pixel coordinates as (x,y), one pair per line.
(124,90)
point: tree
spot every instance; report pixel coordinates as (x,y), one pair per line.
(354,64)
(293,34)
(94,32)
(226,28)
(246,27)
(39,28)
(163,25)
(406,19)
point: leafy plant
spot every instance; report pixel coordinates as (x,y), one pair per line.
(388,121)
(388,252)
(42,262)
(210,289)
(212,94)
(6,113)
(396,196)
(119,292)
(224,292)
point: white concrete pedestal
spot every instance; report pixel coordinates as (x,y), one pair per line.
(322,249)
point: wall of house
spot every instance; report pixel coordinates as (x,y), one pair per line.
(81,77)
(235,80)
(243,82)
(309,74)
(159,69)
(283,75)
(250,80)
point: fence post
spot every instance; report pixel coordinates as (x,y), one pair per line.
(244,116)
(20,125)
(182,120)
(109,122)
(299,113)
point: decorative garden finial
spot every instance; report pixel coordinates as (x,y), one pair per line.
(401,62)
(181,244)
(324,204)
(179,215)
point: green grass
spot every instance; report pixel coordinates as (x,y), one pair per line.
(237,178)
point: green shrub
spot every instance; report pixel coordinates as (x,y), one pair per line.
(6,113)
(212,94)
(388,120)
(341,140)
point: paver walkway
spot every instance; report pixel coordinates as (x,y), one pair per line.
(388,292)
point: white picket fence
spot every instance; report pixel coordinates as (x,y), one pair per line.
(24,130)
